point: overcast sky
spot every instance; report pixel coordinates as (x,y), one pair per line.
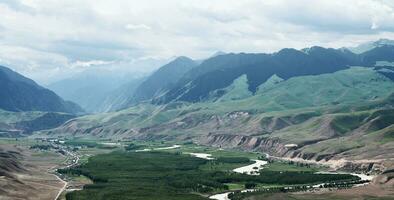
(48,39)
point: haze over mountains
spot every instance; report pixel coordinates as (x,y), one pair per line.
(92,88)
(104,91)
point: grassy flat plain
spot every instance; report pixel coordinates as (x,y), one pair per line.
(168,175)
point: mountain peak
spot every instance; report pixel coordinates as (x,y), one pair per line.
(182,59)
(218,53)
(384,41)
(288,52)
(371,45)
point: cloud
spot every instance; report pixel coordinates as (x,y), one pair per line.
(47,40)
(85,64)
(16,5)
(137,27)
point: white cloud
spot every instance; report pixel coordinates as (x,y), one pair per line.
(46,39)
(85,64)
(137,26)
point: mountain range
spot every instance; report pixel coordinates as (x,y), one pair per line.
(198,83)
(317,103)
(325,103)
(184,79)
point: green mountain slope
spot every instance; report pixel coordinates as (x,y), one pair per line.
(237,90)
(343,87)
(92,89)
(16,124)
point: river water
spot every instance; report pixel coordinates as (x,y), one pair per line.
(260,163)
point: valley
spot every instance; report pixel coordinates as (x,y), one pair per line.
(287,125)
(315,123)
(218,171)
(227,163)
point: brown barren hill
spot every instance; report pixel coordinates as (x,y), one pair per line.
(25,174)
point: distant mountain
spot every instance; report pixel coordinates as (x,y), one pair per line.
(18,93)
(218,53)
(119,98)
(370,45)
(90,88)
(93,87)
(163,79)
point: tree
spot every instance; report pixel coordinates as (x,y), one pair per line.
(250,185)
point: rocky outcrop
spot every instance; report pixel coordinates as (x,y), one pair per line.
(250,143)
(274,147)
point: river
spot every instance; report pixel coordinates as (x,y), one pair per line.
(259,164)
(160,148)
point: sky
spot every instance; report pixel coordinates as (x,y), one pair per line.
(49,40)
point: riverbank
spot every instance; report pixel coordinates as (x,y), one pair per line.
(252,169)
(175,146)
